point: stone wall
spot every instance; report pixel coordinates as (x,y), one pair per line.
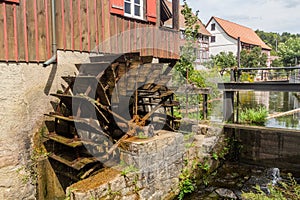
(24,98)
(270,147)
(153,166)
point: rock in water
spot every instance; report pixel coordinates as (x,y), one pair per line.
(226,193)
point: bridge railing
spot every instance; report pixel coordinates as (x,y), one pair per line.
(291,74)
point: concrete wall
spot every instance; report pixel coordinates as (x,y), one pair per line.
(24,98)
(223,41)
(271,147)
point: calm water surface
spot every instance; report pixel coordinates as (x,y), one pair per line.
(275,102)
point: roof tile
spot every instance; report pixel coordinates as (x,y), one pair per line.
(247,35)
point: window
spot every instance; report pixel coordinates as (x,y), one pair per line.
(133,8)
(213,39)
(213,27)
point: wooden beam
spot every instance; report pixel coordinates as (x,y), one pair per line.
(175,10)
(261,86)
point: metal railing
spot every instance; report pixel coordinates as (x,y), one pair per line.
(291,74)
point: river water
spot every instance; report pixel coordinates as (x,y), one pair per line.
(275,102)
(232,177)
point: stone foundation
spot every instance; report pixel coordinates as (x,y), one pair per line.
(24,99)
(153,166)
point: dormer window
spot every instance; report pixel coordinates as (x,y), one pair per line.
(133,8)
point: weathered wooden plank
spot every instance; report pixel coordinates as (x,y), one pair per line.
(16,33)
(77,164)
(42,30)
(20,32)
(67,25)
(30,30)
(84,25)
(92,24)
(76,24)
(2,50)
(10,32)
(59,26)
(119,35)
(100,25)
(48,27)
(63,140)
(132,36)
(92,69)
(106,17)
(112,33)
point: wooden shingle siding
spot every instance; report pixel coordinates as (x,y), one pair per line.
(82,25)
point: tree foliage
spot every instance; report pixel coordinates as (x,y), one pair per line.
(185,64)
(253,58)
(225,60)
(290,51)
(287,45)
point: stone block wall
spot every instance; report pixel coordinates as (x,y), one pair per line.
(24,99)
(155,163)
(270,147)
(153,166)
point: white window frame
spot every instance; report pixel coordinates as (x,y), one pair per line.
(132,6)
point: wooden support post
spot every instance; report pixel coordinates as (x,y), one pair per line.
(205,97)
(238,59)
(175,12)
(228,106)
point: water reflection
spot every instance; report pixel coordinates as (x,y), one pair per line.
(275,102)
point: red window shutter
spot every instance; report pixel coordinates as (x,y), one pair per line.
(151,10)
(117,7)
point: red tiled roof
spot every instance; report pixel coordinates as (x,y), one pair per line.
(202,28)
(246,34)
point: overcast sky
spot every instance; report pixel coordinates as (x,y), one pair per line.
(267,15)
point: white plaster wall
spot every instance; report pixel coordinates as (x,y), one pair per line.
(24,99)
(223,41)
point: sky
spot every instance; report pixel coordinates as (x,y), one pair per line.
(267,15)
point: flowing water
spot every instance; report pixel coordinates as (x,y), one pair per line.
(233,178)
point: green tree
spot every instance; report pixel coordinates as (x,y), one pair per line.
(276,63)
(290,51)
(224,60)
(271,39)
(187,58)
(253,58)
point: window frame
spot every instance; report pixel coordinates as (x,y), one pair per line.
(132,9)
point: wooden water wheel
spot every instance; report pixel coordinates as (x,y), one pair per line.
(112,98)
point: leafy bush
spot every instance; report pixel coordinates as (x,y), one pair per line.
(284,191)
(255,116)
(186,186)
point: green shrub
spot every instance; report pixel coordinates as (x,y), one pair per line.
(254,116)
(186,186)
(283,191)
